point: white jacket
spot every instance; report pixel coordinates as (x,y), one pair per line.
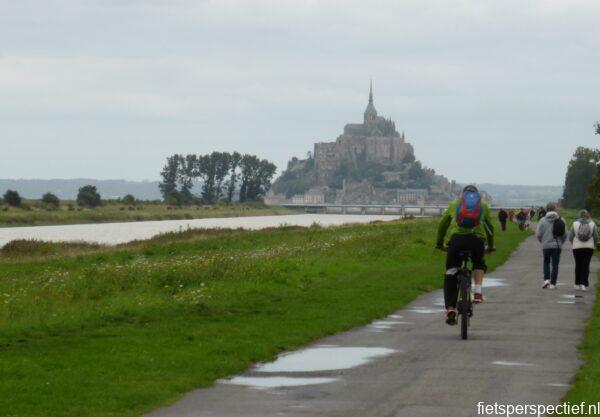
(578,244)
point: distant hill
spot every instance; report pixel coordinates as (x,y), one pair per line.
(522,195)
(503,195)
(67,188)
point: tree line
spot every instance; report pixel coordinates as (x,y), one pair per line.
(582,181)
(87,196)
(220,174)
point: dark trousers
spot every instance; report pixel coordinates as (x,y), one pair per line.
(458,244)
(551,256)
(583,257)
(503,224)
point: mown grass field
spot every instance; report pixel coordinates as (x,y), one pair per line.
(36,214)
(116,332)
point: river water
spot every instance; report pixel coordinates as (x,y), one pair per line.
(114,233)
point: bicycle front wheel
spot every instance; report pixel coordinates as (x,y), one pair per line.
(464,307)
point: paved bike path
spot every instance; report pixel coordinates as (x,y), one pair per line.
(522,350)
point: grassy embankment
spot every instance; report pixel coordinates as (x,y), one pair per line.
(35,213)
(124,330)
(586,385)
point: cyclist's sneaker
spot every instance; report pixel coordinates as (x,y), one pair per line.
(546,284)
(577,287)
(478,298)
(451,316)
(583,288)
(552,287)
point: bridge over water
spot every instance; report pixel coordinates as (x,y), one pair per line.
(390,209)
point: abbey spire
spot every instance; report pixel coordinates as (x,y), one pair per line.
(370,112)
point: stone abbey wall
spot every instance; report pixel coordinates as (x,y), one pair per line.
(329,156)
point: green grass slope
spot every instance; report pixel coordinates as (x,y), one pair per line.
(120,332)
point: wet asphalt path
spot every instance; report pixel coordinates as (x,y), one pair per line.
(522,350)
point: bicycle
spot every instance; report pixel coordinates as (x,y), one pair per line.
(464,276)
(465,301)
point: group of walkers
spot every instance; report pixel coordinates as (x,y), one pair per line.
(522,217)
(467,220)
(552,233)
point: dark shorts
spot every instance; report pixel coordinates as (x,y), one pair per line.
(460,243)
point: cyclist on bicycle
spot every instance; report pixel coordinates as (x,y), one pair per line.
(468,219)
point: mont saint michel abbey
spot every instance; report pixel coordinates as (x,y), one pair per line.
(369,163)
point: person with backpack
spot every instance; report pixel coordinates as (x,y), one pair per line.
(522,219)
(502,218)
(584,237)
(551,233)
(468,219)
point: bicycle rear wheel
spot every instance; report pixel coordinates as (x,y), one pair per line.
(464,307)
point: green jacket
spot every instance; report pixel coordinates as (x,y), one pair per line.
(485,229)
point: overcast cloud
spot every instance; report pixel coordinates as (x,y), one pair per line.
(486,91)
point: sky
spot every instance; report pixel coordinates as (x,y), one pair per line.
(485,91)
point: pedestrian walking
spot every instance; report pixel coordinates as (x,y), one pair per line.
(531,214)
(502,217)
(541,213)
(552,234)
(584,237)
(522,219)
(511,215)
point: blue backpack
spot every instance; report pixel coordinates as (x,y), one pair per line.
(469,210)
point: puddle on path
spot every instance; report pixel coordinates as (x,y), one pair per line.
(557,385)
(395,316)
(571,296)
(566,302)
(508,363)
(276,381)
(379,327)
(489,282)
(426,310)
(386,325)
(324,359)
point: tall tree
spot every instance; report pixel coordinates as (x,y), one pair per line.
(592,201)
(234,163)
(248,165)
(186,172)
(266,171)
(255,178)
(207,172)
(169,175)
(580,172)
(222,164)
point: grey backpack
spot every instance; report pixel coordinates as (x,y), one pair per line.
(584,232)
